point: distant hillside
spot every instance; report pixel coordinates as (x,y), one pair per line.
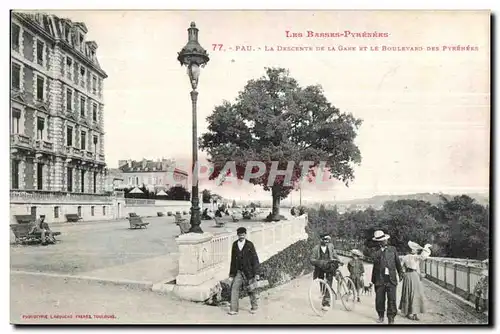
(379,200)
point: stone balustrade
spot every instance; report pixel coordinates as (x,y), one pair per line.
(455,275)
(44,196)
(204,259)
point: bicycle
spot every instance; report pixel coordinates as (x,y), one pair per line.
(346,290)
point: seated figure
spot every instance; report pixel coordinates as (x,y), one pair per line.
(40,226)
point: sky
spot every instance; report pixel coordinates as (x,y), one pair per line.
(425,114)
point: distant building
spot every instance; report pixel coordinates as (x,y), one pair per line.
(114,179)
(159,174)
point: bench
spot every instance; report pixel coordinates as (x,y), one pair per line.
(73,217)
(219,222)
(23,237)
(170,214)
(185,226)
(179,219)
(160,214)
(25,219)
(136,222)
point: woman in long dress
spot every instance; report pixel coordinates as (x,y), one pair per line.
(412,293)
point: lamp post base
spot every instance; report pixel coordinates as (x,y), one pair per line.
(195,221)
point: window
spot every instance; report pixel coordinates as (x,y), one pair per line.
(82,76)
(83,139)
(82,106)
(95,182)
(69,136)
(16,32)
(16,76)
(15,174)
(69,99)
(92,211)
(69,68)
(94,112)
(16,121)
(69,179)
(94,85)
(104,210)
(40,125)
(39,176)
(40,46)
(56,212)
(95,140)
(79,211)
(99,89)
(40,83)
(82,181)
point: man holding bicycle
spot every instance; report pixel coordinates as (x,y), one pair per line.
(326,262)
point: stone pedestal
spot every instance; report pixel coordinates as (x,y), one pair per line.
(197,271)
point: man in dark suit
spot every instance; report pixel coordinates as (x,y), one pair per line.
(243,270)
(320,255)
(386,265)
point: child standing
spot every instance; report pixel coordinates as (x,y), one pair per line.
(357,270)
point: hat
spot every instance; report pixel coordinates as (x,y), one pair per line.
(356,253)
(414,245)
(380,236)
(241,230)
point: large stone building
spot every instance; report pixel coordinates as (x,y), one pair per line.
(159,174)
(57,135)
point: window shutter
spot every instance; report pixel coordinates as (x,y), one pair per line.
(40,123)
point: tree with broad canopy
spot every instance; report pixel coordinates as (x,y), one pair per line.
(275,120)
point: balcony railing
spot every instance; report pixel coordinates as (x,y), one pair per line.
(20,139)
(27,196)
(43,145)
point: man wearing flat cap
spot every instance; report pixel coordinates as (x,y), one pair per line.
(320,254)
(243,270)
(386,268)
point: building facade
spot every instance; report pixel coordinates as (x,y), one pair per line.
(114,180)
(159,174)
(56,114)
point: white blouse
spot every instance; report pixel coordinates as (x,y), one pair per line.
(412,261)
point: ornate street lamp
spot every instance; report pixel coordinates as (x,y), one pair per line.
(193,56)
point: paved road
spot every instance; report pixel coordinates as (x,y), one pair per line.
(111,250)
(287,304)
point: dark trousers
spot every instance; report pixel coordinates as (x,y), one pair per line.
(381,291)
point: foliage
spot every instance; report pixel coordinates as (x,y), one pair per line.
(206,196)
(456,228)
(274,119)
(178,193)
(234,205)
(284,266)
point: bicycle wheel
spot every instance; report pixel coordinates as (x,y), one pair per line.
(321,296)
(347,293)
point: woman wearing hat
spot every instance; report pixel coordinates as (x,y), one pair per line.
(356,270)
(412,293)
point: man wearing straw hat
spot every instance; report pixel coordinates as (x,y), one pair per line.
(386,267)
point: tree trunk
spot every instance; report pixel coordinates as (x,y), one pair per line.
(276,190)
